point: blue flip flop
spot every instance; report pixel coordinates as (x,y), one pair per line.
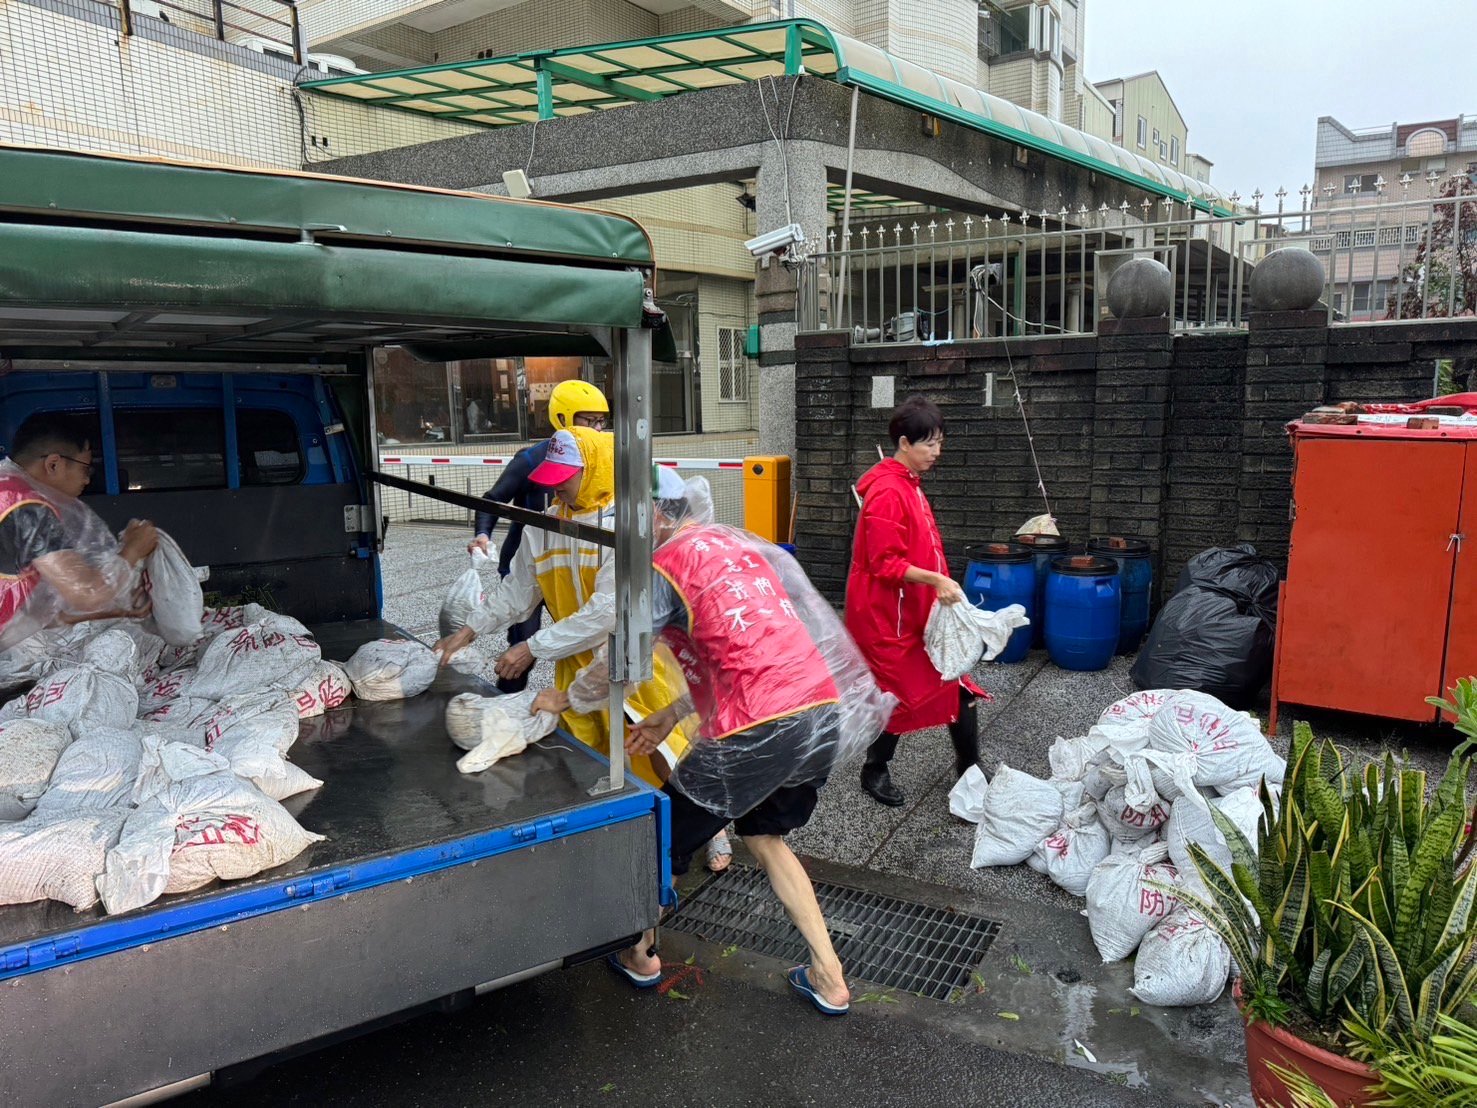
(638,980)
(799,979)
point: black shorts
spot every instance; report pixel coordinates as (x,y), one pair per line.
(786,809)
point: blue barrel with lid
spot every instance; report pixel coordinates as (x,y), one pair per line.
(1135,562)
(1043,549)
(1001,574)
(1083,607)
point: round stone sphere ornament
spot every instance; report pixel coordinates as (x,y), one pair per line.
(1140,288)
(1287,280)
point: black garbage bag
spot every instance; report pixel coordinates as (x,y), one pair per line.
(1215,634)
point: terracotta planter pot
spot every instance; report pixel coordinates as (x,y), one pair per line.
(1344,1079)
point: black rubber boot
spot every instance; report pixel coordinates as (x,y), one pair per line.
(964,732)
(876,780)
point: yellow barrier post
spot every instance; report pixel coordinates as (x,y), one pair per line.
(767,497)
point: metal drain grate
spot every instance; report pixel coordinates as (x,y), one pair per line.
(881,939)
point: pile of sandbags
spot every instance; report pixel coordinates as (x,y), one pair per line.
(1116,820)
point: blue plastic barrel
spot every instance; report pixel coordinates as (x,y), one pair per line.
(1083,608)
(1001,574)
(1043,548)
(787,547)
(1136,579)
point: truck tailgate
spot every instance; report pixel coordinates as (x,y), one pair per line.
(429,883)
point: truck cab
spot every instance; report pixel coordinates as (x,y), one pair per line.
(218,340)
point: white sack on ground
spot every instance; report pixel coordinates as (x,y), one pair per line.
(1228,747)
(29,751)
(85,698)
(1181,962)
(1124,724)
(291,781)
(967,797)
(465,595)
(958,637)
(178,603)
(252,731)
(1244,807)
(57,856)
(253,657)
(198,822)
(1190,822)
(1121,905)
(1069,758)
(167,688)
(1070,854)
(1019,811)
(97,770)
(392,669)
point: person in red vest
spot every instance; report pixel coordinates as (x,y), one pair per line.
(781,696)
(898,572)
(50,463)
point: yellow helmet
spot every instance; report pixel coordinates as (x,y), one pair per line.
(570,397)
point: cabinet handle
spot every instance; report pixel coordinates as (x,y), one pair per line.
(1455,540)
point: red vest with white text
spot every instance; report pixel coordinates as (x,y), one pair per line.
(747,656)
(14,590)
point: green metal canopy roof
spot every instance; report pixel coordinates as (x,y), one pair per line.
(125,257)
(545,84)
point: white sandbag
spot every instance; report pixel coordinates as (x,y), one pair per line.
(164,689)
(491,728)
(215,620)
(1244,807)
(292,780)
(57,856)
(1069,758)
(257,656)
(13,709)
(465,595)
(85,698)
(174,591)
(1128,820)
(392,669)
(958,637)
(97,770)
(323,688)
(1181,962)
(1019,811)
(1190,822)
(1070,854)
(29,750)
(1228,748)
(252,731)
(31,659)
(201,823)
(1074,793)
(1121,906)
(967,797)
(176,713)
(1137,846)
(1125,723)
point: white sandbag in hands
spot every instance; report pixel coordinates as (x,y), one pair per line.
(491,728)
(1018,812)
(178,604)
(392,669)
(959,636)
(466,593)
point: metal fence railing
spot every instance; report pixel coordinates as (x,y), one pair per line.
(946,278)
(474,475)
(268,26)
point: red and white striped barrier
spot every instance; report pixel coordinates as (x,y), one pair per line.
(477,460)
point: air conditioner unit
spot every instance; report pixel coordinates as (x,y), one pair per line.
(333,63)
(149,8)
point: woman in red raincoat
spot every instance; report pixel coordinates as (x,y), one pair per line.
(897,573)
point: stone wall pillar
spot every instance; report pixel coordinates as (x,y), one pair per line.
(1130,427)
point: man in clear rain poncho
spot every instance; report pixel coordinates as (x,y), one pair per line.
(781,693)
(59,562)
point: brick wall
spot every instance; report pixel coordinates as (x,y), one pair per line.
(1177,439)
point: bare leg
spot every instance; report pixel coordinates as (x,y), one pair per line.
(639,958)
(792,885)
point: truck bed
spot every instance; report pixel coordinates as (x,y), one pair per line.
(429,883)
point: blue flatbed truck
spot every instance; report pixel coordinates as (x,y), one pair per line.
(218,325)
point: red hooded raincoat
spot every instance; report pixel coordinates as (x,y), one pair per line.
(885,615)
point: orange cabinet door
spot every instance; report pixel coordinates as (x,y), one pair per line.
(1461,640)
(1363,626)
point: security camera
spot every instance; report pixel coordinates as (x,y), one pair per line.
(784,238)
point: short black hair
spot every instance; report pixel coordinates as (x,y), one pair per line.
(916,419)
(49,433)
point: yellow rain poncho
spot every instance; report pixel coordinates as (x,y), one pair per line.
(576,582)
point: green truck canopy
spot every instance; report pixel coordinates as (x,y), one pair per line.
(117,257)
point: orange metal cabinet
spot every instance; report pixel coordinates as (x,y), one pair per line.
(1379,610)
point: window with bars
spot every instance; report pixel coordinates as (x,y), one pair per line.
(733,366)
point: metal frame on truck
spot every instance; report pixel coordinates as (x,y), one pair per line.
(112,265)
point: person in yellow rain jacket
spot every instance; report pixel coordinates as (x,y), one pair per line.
(576,582)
